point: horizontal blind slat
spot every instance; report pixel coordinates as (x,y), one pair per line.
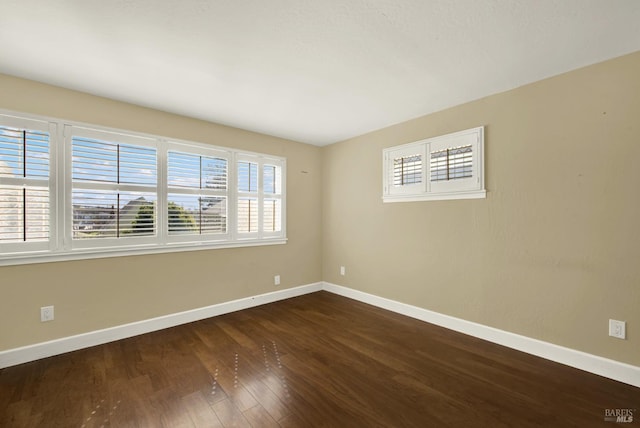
(195,171)
(196,215)
(24,214)
(104,161)
(407,170)
(247,177)
(452,163)
(272,215)
(24,153)
(24,208)
(108,214)
(247,215)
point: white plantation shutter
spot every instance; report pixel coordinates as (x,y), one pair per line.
(198,194)
(114,188)
(247,215)
(70,191)
(454,163)
(25,185)
(404,170)
(112,214)
(407,170)
(445,167)
(260,197)
(247,197)
(272,205)
(24,213)
(272,215)
(451,163)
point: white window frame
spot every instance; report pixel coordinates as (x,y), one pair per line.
(471,187)
(114,137)
(61,245)
(260,195)
(277,196)
(25,123)
(203,151)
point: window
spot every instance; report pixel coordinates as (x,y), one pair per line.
(198,194)
(114,188)
(25,188)
(119,193)
(446,167)
(272,218)
(247,197)
(259,197)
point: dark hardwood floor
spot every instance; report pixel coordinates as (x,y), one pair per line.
(315,360)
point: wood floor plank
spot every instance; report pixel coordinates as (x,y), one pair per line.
(291,421)
(258,417)
(318,360)
(230,415)
(276,407)
(200,412)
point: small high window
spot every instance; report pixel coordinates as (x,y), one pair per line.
(452,164)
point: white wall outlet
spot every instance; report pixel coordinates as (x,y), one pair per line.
(618,329)
(46,313)
(343,271)
(276,280)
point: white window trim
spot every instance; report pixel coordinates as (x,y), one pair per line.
(103,243)
(261,161)
(472,188)
(61,247)
(46,125)
(275,196)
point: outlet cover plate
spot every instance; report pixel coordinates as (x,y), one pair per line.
(617,329)
(46,313)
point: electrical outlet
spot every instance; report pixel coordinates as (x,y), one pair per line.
(343,271)
(276,280)
(46,313)
(617,329)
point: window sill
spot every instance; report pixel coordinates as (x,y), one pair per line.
(83,254)
(476,194)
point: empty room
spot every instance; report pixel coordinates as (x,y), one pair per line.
(367,213)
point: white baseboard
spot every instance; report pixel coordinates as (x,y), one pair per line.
(34,352)
(611,369)
(591,363)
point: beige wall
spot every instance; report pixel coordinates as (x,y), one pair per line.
(552,253)
(101,293)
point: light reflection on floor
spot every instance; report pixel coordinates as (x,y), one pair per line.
(101,414)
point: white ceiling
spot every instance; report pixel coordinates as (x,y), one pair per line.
(315,71)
